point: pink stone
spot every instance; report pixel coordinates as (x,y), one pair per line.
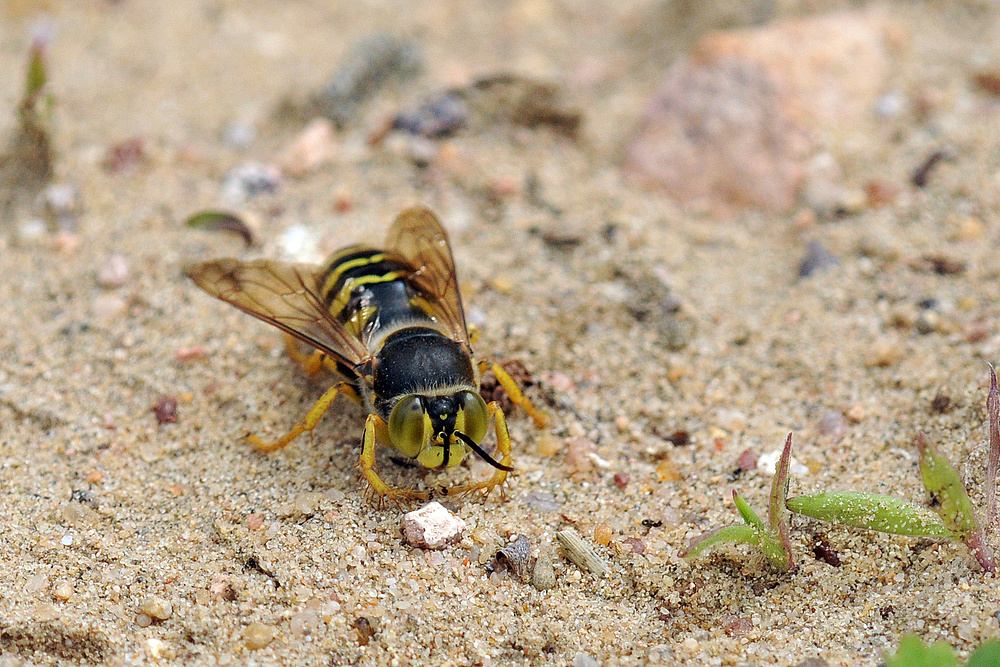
(432,527)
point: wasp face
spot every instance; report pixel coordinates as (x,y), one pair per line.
(439,431)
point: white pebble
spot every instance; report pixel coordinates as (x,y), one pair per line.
(432,527)
(113,273)
(67,540)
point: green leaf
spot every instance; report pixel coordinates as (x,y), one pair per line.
(749,516)
(735,533)
(987,655)
(951,501)
(221,221)
(913,653)
(35,76)
(872,511)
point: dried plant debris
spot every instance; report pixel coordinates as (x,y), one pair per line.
(26,163)
(581,553)
(370,65)
(922,173)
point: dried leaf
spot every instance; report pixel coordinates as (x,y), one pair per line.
(221,221)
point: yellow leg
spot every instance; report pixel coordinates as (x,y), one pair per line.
(516,397)
(311,363)
(375,430)
(503,446)
(309,423)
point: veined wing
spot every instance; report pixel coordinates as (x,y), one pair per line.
(418,237)
(285,295)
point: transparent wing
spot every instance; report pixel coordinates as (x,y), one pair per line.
(418,237)
(285,295)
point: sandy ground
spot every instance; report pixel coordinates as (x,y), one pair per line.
(111,518)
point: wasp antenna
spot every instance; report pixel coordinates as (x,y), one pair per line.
(481,452)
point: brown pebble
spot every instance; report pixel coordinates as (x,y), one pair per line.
(165,410)
(95,476)
(621,479)
(636,544)
(365,627)
(125,155)
(667,471)
(602,534)
(941,404)
(882,193)
(258,635)
(62,591)
(747,460)
(255,522)
(736,626)
(185,354)
(988,81)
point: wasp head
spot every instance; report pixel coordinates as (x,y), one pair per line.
(439,431)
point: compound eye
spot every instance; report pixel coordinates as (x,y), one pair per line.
(407,426)
(476,416)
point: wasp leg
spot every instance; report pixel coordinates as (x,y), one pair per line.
(514,393)
(311,363)
(377,429)
(503,446)
(309,423)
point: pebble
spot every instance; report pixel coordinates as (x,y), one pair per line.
(248,180)
(306,623)
(157,608)
(548,444)
(621,479)
(62,591)
(108,307)
(585,660)
(543,575)
(581,553)
(432,527)
(578,459)
(35,583)
(313,147)
(817,258)
(114,272)
(258,635)
(747,460)
(307,502)
(602,534)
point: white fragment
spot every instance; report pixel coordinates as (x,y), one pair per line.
(432,527)
(154,647)
(601,463)
(768,464)
(67,540)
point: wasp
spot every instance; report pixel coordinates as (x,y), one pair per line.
(389,323)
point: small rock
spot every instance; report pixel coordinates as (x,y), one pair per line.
(432,527)
(248,180)
(62,591)
(306,503)
(126,155)
(157,608)
(585,660)
(543,576)
(747,460)
(258,635)
(306,623)
(621,479)
(114,272)
(165,410)
(602,534)
(312,148)
(817,258)
(108,307)
(578,459)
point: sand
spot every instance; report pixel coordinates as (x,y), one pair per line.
(127,541)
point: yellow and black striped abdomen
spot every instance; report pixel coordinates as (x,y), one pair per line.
(369,290)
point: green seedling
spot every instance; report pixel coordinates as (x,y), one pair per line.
(912,652)
(772,537)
